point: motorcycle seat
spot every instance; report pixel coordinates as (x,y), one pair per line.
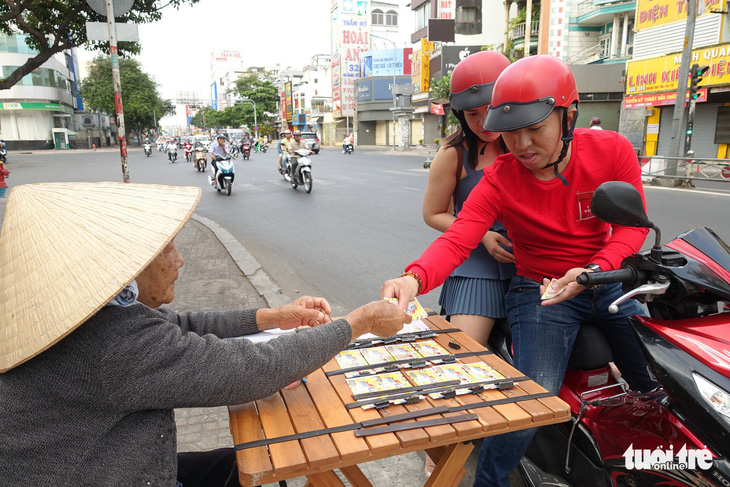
(590,351)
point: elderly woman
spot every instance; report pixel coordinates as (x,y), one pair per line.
(91,365)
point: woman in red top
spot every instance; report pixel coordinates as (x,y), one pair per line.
(541,191)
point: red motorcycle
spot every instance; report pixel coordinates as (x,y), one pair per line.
(246,150)
(188,152)
(677,434)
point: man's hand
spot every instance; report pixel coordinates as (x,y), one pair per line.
(305,311)
(568,281)
(492,241)
(404,288)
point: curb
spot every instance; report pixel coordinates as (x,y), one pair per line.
(247,263)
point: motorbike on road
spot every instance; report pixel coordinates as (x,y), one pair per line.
(303,175)
(349,149)
(677,434)
(222,178)
(200,159)
(147,149)
(172,152)
(246,150)
(3,154)
(264,147)
(188,153)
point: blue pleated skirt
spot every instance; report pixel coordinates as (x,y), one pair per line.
(474,296)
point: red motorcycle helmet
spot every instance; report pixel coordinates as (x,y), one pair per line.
(473,79)
(528,91)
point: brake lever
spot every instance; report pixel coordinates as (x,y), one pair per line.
(654,288)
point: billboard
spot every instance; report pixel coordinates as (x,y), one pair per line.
(660,74)
(214,95)
(287,96)
(653,13)
(350,35)
(386,62)
(453,55)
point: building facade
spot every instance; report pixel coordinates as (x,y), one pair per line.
(39,108)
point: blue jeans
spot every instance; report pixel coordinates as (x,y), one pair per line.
(543,338)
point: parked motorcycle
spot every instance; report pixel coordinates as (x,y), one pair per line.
(172,152)
(246,150)
(201,159)
(222,179)
(303,174)
(349,148)
(678,434)
(147,149)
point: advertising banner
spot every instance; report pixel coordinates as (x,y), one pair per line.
(364,90)
(350,36)
(659,99)
(386,62)
(653,13)
(661,73)
(287,95)
(214,95)
(446,9)
(453,55)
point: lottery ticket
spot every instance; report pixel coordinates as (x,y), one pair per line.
(550,292)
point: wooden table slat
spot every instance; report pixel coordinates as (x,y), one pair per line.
(319,450)
(330,409)
(245,427)
(287,456)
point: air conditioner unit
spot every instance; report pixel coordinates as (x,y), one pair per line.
(630,51)
(87,121)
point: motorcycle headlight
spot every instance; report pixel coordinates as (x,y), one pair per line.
(715,396)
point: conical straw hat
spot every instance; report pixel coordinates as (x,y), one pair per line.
(66,249)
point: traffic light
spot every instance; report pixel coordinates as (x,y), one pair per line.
(696,74)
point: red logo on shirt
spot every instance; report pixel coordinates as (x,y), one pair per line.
(584,206)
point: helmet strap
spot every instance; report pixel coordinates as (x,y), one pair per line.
(567,138)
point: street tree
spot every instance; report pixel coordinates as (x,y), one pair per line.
(258,86)
(52,26)
(139,93)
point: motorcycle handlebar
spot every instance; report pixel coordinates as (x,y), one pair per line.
(626,274)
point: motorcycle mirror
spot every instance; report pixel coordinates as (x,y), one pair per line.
(619,203)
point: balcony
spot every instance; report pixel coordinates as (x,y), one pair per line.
(598,54)
(519,30)
(601,12)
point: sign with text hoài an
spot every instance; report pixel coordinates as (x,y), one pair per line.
(660,74)
(653,13)
(659,99)
(350,35)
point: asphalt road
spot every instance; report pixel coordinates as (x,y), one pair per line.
(360,225)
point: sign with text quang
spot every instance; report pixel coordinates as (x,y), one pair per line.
(660,74)
(350,35)
(653,13)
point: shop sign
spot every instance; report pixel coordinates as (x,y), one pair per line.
(661,73)
(653,13)
(364,91)
(659,99)
(453,55)
(36,106)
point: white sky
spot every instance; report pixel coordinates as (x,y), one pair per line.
(176,50)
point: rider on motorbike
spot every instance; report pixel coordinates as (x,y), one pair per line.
(188,149)
(295,145)
(541,192)
(283,144)
(349,140)
(172,144)
(218,148)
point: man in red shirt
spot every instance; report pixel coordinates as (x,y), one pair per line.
(541,191)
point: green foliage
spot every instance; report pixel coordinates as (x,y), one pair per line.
(440,90)
(253,85)
(52,26)
(139,93)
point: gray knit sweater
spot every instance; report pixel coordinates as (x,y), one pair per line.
(96,409)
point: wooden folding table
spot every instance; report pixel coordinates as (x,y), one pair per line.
(319,404)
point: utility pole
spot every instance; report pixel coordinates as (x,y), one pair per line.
(117,89)
(678,120)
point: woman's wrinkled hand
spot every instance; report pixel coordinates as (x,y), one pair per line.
(381,318)
(305,311)
(492,241)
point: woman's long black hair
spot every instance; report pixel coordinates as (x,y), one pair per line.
(472,141)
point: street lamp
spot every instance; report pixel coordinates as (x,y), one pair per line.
(392,89)
(255,123)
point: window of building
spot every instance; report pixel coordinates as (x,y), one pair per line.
(468,14)
(391,17)
(377,17)
(605,46)
(423,13)
(15,43)
(40,77)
